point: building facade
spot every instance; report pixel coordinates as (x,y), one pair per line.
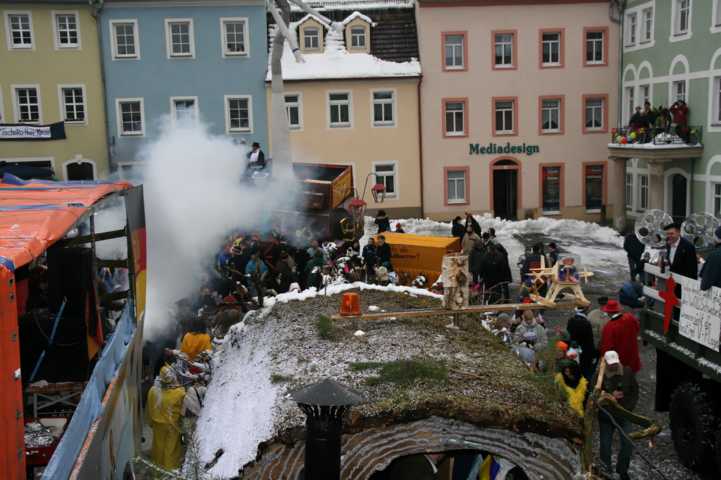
(672,51)
(168,61)
(355,99)
(517,101)
(52,112)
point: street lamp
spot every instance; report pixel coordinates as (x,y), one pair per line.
(324,405)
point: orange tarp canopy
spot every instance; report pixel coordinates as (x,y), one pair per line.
(36,214)
(414,255)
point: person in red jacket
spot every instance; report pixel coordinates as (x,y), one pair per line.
(621,334)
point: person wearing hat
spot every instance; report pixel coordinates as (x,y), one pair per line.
(680,253)
(256,157)
(620,382)
(196,340)
(572,385)
(531,332)
(457,228)
(580,331)
(711,271)
(163,408)
(620,334)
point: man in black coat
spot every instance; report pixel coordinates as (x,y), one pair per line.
(580,331)
(383,252)
(711,271)
(680,253)
(634,251)
(457,228)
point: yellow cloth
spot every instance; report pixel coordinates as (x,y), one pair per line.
(194,343)
(163,413)
(575,396)
(486,466)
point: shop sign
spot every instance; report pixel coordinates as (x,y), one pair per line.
(507,148)
(22,131)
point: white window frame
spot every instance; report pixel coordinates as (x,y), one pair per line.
(629,103)
(305,36)
(393,102)
(456,201)
(676,35)
(716,17)
(174,112)
(113,39)
(629,191)
(246,37)
(558,42)
(8,32)
(647,27)
(513,117)
(396,194)
(353,36)
(643,187)
(672,90)
(119,117)
(496,43)
(631,27)
(594,41)
(16,105)
(557,108)
(454,47)
(56,32)
(61,102)
(299,105)
(646,96)
(455,133)
(585,113)
(330,103)
(226,107)
(169,39)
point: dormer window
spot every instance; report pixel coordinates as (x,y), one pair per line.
(358,37)
(311,38)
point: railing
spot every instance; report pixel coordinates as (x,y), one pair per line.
(690,135)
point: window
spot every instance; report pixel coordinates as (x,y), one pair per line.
(647,16)
(642,192)
(717,200)
(594,114)
(311,39)
(73,104)
(383,107)
(503,47)
(358,37)
(682,17)
(455,118)
(456,186)
(339,105)
(594,187)
(716,109)
(184,109)
(125,38)
(629,191)
(551,49)
(386,175)
(504,117)
(234,31)
(27,105)
(66,30)
(130,117)
(551,115)
(645,94)
(678,90)
(717,13)
(19,29)
(631,26)
(595,47)
(293,110)
(630,102)
(238,114)
(179,38)
(454,51)
(551,189)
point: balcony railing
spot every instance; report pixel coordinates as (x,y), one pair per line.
(691,135)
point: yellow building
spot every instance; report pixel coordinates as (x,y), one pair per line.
(354,101)
(52,111)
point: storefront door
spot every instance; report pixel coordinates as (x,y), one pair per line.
(679,187)
(505,193)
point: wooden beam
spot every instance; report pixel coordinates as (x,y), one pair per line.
(113,263)
(98,237)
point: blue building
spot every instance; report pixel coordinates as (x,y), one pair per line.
(191,59)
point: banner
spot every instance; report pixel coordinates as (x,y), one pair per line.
(24,131)
(700,318)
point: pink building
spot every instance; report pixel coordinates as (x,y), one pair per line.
(518,100)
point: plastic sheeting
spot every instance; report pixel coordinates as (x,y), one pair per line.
(90,407)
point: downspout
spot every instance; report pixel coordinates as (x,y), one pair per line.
(97,8)
(420,144)
(619,98)
(690,203)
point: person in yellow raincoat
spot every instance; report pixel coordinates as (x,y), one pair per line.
(573,385)
(165,400)
(195,341)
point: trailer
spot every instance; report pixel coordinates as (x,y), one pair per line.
(72,294)
(685,334)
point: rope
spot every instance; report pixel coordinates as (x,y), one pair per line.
(158,469)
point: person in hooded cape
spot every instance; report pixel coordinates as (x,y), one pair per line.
(163,409)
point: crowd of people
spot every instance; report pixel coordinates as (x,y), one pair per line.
(648,122)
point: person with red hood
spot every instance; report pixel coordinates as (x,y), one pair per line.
(621,334)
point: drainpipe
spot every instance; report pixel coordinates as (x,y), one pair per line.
(97,8)
(621,216)
(420,145)
(693,168)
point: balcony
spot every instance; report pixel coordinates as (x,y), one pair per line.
(656,144)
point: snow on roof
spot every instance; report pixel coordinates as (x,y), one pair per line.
(356,4)
(357,14)
(335,62)
(309,17)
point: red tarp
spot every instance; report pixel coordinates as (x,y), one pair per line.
(35,215)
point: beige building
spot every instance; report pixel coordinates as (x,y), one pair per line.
(51,94)
(518,101)
(355,101)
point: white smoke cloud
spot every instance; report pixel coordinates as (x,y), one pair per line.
(193,198)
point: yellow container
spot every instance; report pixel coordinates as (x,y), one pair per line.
(414,255)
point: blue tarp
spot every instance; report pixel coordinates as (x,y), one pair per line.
(90,408)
